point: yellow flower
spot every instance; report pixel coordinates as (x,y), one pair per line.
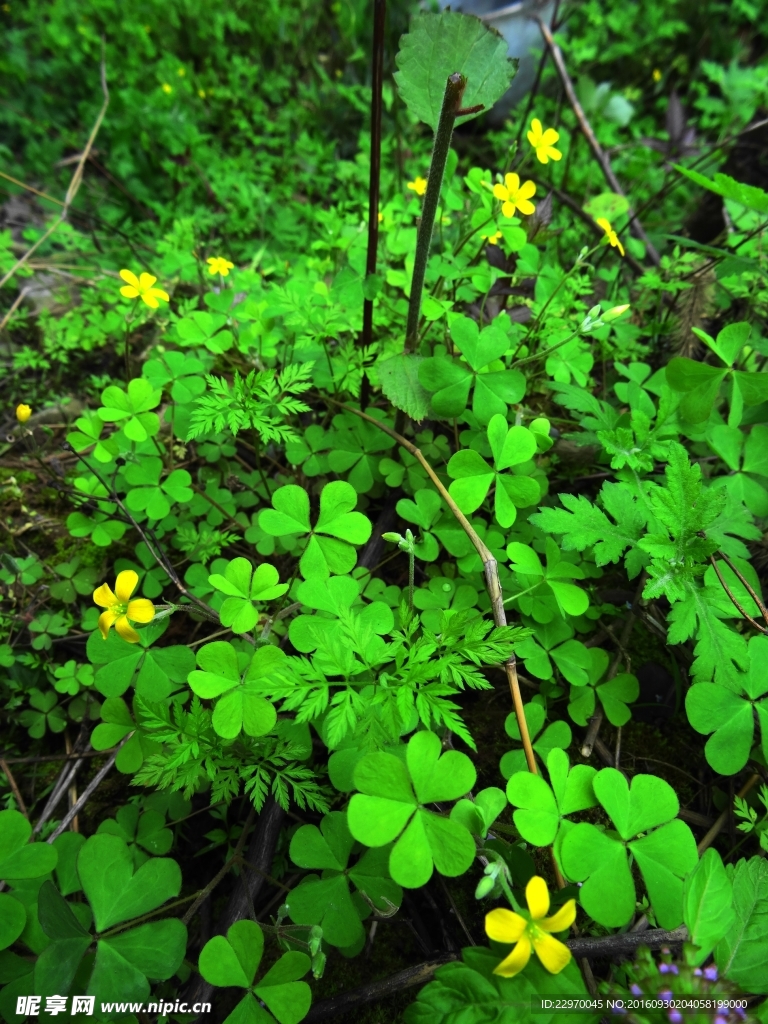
(218,265)
(544,142)
(141,288)
(120,607)
(201,93)
(610,234)
(23,412)
(492,239)
(656,75)
(167,88)
(505,926)
(418,185)
(381,216)
(515,196)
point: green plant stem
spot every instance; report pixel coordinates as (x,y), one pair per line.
(492,582)
(454,89)
(545,352)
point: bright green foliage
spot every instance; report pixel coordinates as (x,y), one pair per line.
(478,815)
(18,857)
(235,677)
(423,511)
(543,582)
(131,408)
(44,713)
(154,672)
(356,448)
(234,961)
(740,954)
(73,580)
(329,547)
(729,713)
(327,900)
(245,589)
(144,833)
(556,734)
(149,494)
(542,807)
(390,802)
(708,911)
(335,599)
(442,44)
(664,855)
(450,380)
(512,448)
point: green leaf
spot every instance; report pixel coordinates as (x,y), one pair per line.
(723,185)
(234,960)
(117,893)
(285,995)
(740,955)
(608,892)
(708,910)
(13,919)
(399,379)
(438,45)
(18,857)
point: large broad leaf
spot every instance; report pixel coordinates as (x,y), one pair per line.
(438,45)
(399,379)
(723,185)
(740,955)
(18,857)
(117,893)
(708,910)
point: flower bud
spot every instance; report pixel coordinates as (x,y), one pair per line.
(23,412)
(614,313)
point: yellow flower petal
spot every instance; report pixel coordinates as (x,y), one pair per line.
(142,610)
(107,619)
(604,224)
(508,209)
(526,207)
(161,294)
(561,920)
(23,412)
(103,596)
(149,300)
(499,192)
(512,181)
(126,631)
(516,960)
(504,925)
(620,247)
(537,897)
(125,585)
(552,953)
(129,292)
(555,154)
(550,137)
(129,278)
(527,189)
(146,281)
(541,155)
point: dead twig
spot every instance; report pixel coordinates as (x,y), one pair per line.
(86,794)
(605,164)
(14,788)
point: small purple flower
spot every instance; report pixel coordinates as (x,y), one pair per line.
(710,973)
(618,1009)
(698,972)
(675,1016)
(740,1011)
(665,995)
(668,969)
(635,989)
(719,1019)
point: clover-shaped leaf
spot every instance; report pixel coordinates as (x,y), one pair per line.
(534,579)
(327,900)
(18,857)
(495,387)
(390,806)
(424,511)
(543,807)
(117,723)
(557,734)
(665,855)
(233,962)
(155,673)
(730,716)
(334,598)
(131,408)
(473,477)
(356,448)
(181,370)
(234,678)
(479,814)
(330,543)
(244,591)
(147,493)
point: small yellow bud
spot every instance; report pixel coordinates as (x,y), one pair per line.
(167,89)
(23,412)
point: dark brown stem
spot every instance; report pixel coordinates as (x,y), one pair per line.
(206,892)
(14,788)
(594,145)
(747,586)
(379,19)
(89,789)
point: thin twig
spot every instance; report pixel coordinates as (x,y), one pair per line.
(594,145)
(75,183)
(747,586)
(14,788)
(89,789)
